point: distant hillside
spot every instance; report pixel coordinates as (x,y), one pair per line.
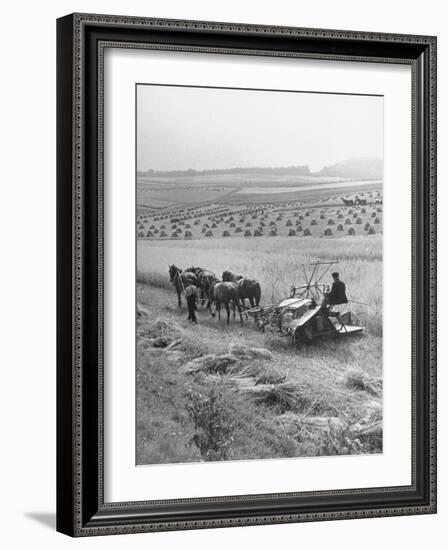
(362,168)
(282,170)
(357,168)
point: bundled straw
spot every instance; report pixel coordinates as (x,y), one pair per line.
(287,396)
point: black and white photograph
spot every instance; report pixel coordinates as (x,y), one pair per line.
(259,262)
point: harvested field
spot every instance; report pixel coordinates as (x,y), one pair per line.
(274,401)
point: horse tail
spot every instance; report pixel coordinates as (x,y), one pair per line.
(257,294)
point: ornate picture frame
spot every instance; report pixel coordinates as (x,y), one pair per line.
(81,506)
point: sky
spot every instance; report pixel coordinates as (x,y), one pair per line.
(179,128)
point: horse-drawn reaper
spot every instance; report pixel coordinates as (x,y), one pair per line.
(309,313)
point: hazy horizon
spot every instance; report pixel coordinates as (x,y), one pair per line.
(235,168)
(190,128)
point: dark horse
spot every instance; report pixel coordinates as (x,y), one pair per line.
(224,293)
(180,279)
(197,271)
(207,280)
(248,288)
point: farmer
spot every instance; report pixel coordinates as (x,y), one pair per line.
(337,293)
(191,293)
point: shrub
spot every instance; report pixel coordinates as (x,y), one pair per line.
(213,424)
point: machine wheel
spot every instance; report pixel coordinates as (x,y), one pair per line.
(297,338)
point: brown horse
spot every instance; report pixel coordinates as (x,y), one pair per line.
(207,280)
(180,279)
(197,271)
(247,288)
(224,293)
(231,276)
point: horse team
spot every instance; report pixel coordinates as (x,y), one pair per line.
(232,290)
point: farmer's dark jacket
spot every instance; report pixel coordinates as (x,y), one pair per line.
(337,293)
